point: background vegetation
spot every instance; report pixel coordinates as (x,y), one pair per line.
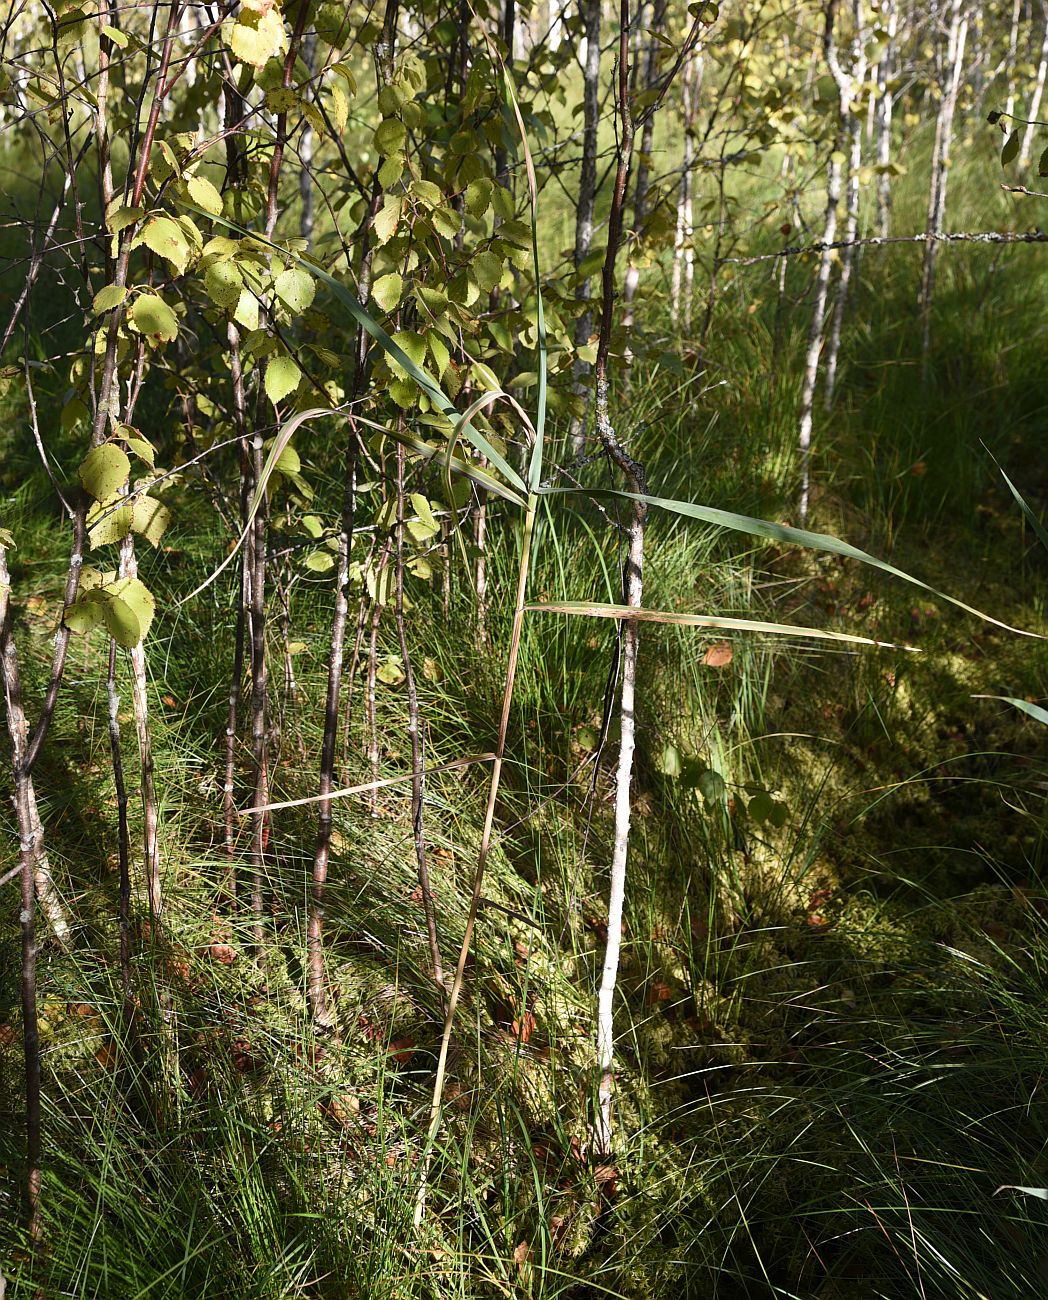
(227,1062)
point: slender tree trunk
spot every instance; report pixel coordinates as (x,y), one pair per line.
(371,700)
(415,736)
(822,282)
(885,109)
(1034,110)
(123,844)
(259,698)
(584,212)
(636,481)
(683,276)
(305,151)
(643,172)
(1013,47)
(940,172)
(143,730)
(30,835)
(30,825)
(259,556)
(849,254)
(480,538)
(318,990)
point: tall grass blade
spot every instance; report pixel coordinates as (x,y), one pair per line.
(1033,710)
(824,542)
(590,609)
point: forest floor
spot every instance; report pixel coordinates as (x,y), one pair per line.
(833,1029)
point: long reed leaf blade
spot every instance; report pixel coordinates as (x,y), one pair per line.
(824,542)
(595,609)
(1039,529)
(1032,710)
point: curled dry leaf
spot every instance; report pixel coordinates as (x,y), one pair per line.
(718,655)
(524,1027)
(402,1050)
(341,1109)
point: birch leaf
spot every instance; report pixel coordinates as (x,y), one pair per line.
(108,298)
(107,524)
(204,195)
(387,218)
(282,378)
(137,597)
(296,288)
(121,623)
(150,518)
(387,290)
(152,316)
(166,239)
(104,471)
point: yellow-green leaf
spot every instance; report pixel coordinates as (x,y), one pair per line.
(387,290)
(296,288)
(255,37)
(152,316)
(166,239)
(121,622)
(390,136)
(108,298)
(282,378)
(137,597)
(150,518)
(224,284)
(388,218)
(204,195)
(246,313)
(107,523)
(104,471)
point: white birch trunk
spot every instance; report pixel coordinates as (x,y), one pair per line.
(1035,104)
(940,165)
(1013,47)
(640,193)
(683,279)
(584,212)
(853,131)
(822,283)
(885,109)
(147,787)
(305,152)
(620,851)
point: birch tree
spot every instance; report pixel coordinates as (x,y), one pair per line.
(816,329)
(953,66)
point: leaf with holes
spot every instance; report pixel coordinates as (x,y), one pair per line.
(104,471)
(152,316)
(107,523)
(167,240)
(150,518)
(295,288)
